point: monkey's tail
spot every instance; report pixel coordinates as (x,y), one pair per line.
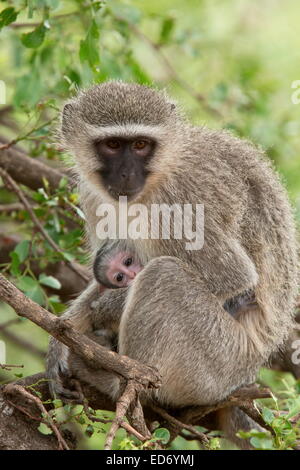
(231,421)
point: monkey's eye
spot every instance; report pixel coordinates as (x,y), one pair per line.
(128,261)
(119,277)
(113,144)
(140,144)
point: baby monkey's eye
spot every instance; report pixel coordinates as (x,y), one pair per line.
(128,261)
(119,277)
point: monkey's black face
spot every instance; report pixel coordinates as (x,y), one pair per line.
(124,164)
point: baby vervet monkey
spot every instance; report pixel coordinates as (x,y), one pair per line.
(115,265)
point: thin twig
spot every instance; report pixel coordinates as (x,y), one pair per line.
(35,24)
(180,425)
(12,142)
(10,366)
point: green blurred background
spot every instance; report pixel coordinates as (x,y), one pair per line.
(230,64)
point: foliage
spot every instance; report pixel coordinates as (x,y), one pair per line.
(220,59)
(282,414)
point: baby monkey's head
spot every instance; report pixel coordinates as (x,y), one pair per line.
(115,266)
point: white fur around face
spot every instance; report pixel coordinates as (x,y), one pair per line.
(125,130)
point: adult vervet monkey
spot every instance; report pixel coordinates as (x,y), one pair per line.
(131,140)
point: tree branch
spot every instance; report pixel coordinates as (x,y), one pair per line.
(96,355)
(28,171)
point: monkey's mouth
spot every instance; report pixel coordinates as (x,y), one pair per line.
(129,193)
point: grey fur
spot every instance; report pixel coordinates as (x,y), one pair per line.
(180,327)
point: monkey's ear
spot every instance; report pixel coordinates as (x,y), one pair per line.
(67,113)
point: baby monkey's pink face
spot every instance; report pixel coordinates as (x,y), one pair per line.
(123,268)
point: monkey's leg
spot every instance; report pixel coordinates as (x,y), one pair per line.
(99,378)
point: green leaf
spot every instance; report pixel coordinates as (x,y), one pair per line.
(49,281)
(166,30)
(78,212)
(37,295)
(68,408)
(89,430)
(162,434)
(294,407)
(7,16)
(252,433)
(56,223)
(214,443)
(32,289)
(68,256)
(265,443)
(26,283)
(268,415)
(15,263)
(42,190)
(89,46)
(63,183)
(22,250)
(57,403)
(35,38)
(44,429)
